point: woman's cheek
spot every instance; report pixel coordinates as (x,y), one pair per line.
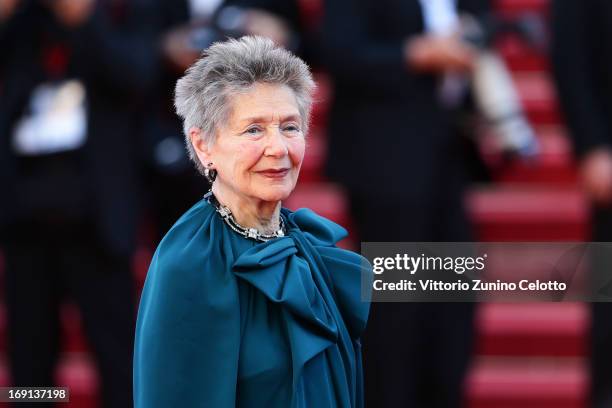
(249,155)
(297,148)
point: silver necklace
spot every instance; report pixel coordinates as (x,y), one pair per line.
(251,233)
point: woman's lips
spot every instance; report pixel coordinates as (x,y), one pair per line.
(274,173)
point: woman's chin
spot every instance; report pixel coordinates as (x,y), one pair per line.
(274,193)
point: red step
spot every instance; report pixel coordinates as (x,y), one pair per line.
(532,329)
(326,199)
(527,383)
(515,7)
(554,165)
(72,332)
(314,159)
(519,56)
(75,371)
(537,93)
(78,372)
(528,213)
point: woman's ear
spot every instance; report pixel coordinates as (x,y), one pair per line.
(200,145)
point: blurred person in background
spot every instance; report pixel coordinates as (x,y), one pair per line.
(199,23)
(68,174)
(395,67)
(582,64)
(280,20)
(170,182)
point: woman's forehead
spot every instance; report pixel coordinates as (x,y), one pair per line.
(264,103)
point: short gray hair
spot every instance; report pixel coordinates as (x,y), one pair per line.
(226,68)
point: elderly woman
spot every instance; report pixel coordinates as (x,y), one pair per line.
(246,303)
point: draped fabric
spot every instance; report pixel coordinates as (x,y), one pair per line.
(225,321)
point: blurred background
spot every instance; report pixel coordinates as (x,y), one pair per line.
(503,106)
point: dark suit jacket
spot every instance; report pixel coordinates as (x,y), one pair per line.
(304,39)
(582,64)
(388,133)
(115,55)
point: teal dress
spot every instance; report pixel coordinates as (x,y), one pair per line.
(226,321)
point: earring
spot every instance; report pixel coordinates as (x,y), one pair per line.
(210,173)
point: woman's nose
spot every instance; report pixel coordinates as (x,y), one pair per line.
(276,144)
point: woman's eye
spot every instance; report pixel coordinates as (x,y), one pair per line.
(291,128)
(253,131)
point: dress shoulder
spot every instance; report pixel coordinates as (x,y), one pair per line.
(188,327)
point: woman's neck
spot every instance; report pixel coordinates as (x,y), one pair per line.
(249,212)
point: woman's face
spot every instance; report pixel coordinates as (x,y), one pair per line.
(259,151)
